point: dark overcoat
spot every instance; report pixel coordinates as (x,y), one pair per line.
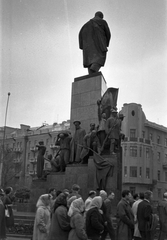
(125,224)
(94,38)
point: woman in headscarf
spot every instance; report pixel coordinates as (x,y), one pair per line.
(60,224)
(42,218)
(94,220)
(77,220)
(8,207)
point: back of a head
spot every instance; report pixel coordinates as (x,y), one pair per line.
(99,14)
(135,196)
(147,195)
(141,195)
(51,190)
(125,193)
(92,193)
(75,187)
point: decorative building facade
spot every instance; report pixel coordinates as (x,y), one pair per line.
(144,152)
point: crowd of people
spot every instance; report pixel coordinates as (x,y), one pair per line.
(64,215)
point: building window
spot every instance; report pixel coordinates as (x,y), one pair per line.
(148,173)
(133,171)
(158,139)
(165,157)
(140,151)
(125,150)
(28,167)
(132,133)
(143,134)
(125,171)
(133,151)
(18,144)
(159,175)
(165,176)
(158,156)
(132,190)
(140,172)
(159,193)
(47,141)
(147,152)
(165,142)
(28,156)
(150,136)
(35,143)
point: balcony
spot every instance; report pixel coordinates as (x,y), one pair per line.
(19,150)
(164,165)
(17,160)
(33,160)
(33,149)
(32,173)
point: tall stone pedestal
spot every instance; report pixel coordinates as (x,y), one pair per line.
(86,90)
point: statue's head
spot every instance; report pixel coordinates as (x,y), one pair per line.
(77,124)
(99,14)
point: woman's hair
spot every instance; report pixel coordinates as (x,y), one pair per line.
(60,200)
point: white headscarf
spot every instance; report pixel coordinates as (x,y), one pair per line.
(96,202)
(44,200)
(76,206)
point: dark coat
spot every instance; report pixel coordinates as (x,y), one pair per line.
(162,211)
(144,216)
(2,221)
(8,206)
(60,224)
(77,224)
(125,225)
(94,223)
(94,38)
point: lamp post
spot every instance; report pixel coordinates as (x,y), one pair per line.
(3,140)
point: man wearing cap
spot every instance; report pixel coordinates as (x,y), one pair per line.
(162,212)
(113,126)
(2,216)
(77,143)
(40,159)
(94,38)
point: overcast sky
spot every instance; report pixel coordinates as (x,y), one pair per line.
(40,56)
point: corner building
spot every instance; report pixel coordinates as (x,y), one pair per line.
(144,157)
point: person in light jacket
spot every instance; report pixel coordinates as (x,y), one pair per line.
(77,220)
(42,218)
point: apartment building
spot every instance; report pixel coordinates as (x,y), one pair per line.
(20,148)
(144,157)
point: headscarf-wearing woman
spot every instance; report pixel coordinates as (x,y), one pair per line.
(60,223)
(2,216)
(42,218)
(94,220)
(77,220)
(8,207)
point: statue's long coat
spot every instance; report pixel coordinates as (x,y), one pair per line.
(94,38)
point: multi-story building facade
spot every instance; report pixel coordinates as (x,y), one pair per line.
(21,145)
(144,157)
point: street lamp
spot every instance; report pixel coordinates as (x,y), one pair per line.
(3,140)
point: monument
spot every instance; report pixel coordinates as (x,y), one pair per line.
(91,154)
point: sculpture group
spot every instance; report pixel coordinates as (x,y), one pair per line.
(105,138)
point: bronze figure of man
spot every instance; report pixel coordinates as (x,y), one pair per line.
(94,38)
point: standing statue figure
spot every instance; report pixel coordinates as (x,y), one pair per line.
(113,126)
(94,38)
(63,140)
(77,143)
(40,159)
